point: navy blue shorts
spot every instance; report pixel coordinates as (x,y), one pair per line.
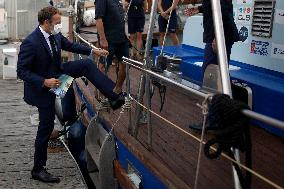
(163,24)
(117,49)
(136,24)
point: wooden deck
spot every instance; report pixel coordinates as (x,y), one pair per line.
(173,156)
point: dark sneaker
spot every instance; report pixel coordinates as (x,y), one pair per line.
(115,104)
(197,127)
(103,104)
(44,176)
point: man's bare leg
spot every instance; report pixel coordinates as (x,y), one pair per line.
(162,35)
(139,46)
(121,77)
(132,53)
(174,38)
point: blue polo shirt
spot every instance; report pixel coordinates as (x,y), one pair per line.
(112,14)
(136,9)
(166,4)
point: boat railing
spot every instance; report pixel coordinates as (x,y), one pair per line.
(144,88)
(249,113)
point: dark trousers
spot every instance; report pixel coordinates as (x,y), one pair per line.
(87,68)
(210,57)
(46,125)
(47,115)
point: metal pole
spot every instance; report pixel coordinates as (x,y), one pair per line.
(148,105)
(140,94)
(85,41)
(223,64)
(128,92)
(268,120)
(150,33)
(158,76)
(222,53)
(132,61)
(147,64)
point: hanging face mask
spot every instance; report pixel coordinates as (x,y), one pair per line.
(56,29)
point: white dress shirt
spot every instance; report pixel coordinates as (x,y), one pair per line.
(46,36)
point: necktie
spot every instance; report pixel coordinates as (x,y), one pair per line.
(55,66)
(53,48)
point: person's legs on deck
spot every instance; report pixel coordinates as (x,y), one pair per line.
(122,50)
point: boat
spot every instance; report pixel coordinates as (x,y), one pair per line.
(148,143)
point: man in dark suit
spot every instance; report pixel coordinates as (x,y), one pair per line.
(39,66)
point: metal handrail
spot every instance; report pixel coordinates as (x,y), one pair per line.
(84,40)
(249,113)
(226,88)
(223,64)
(158,76)
(221,47)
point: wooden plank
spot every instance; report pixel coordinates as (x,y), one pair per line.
(121,176)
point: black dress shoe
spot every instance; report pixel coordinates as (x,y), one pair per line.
(197,127)
(115,104)
(44,176)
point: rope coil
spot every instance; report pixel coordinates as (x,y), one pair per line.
(231,130)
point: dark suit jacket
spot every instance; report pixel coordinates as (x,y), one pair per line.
(35,65)
(230,29)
